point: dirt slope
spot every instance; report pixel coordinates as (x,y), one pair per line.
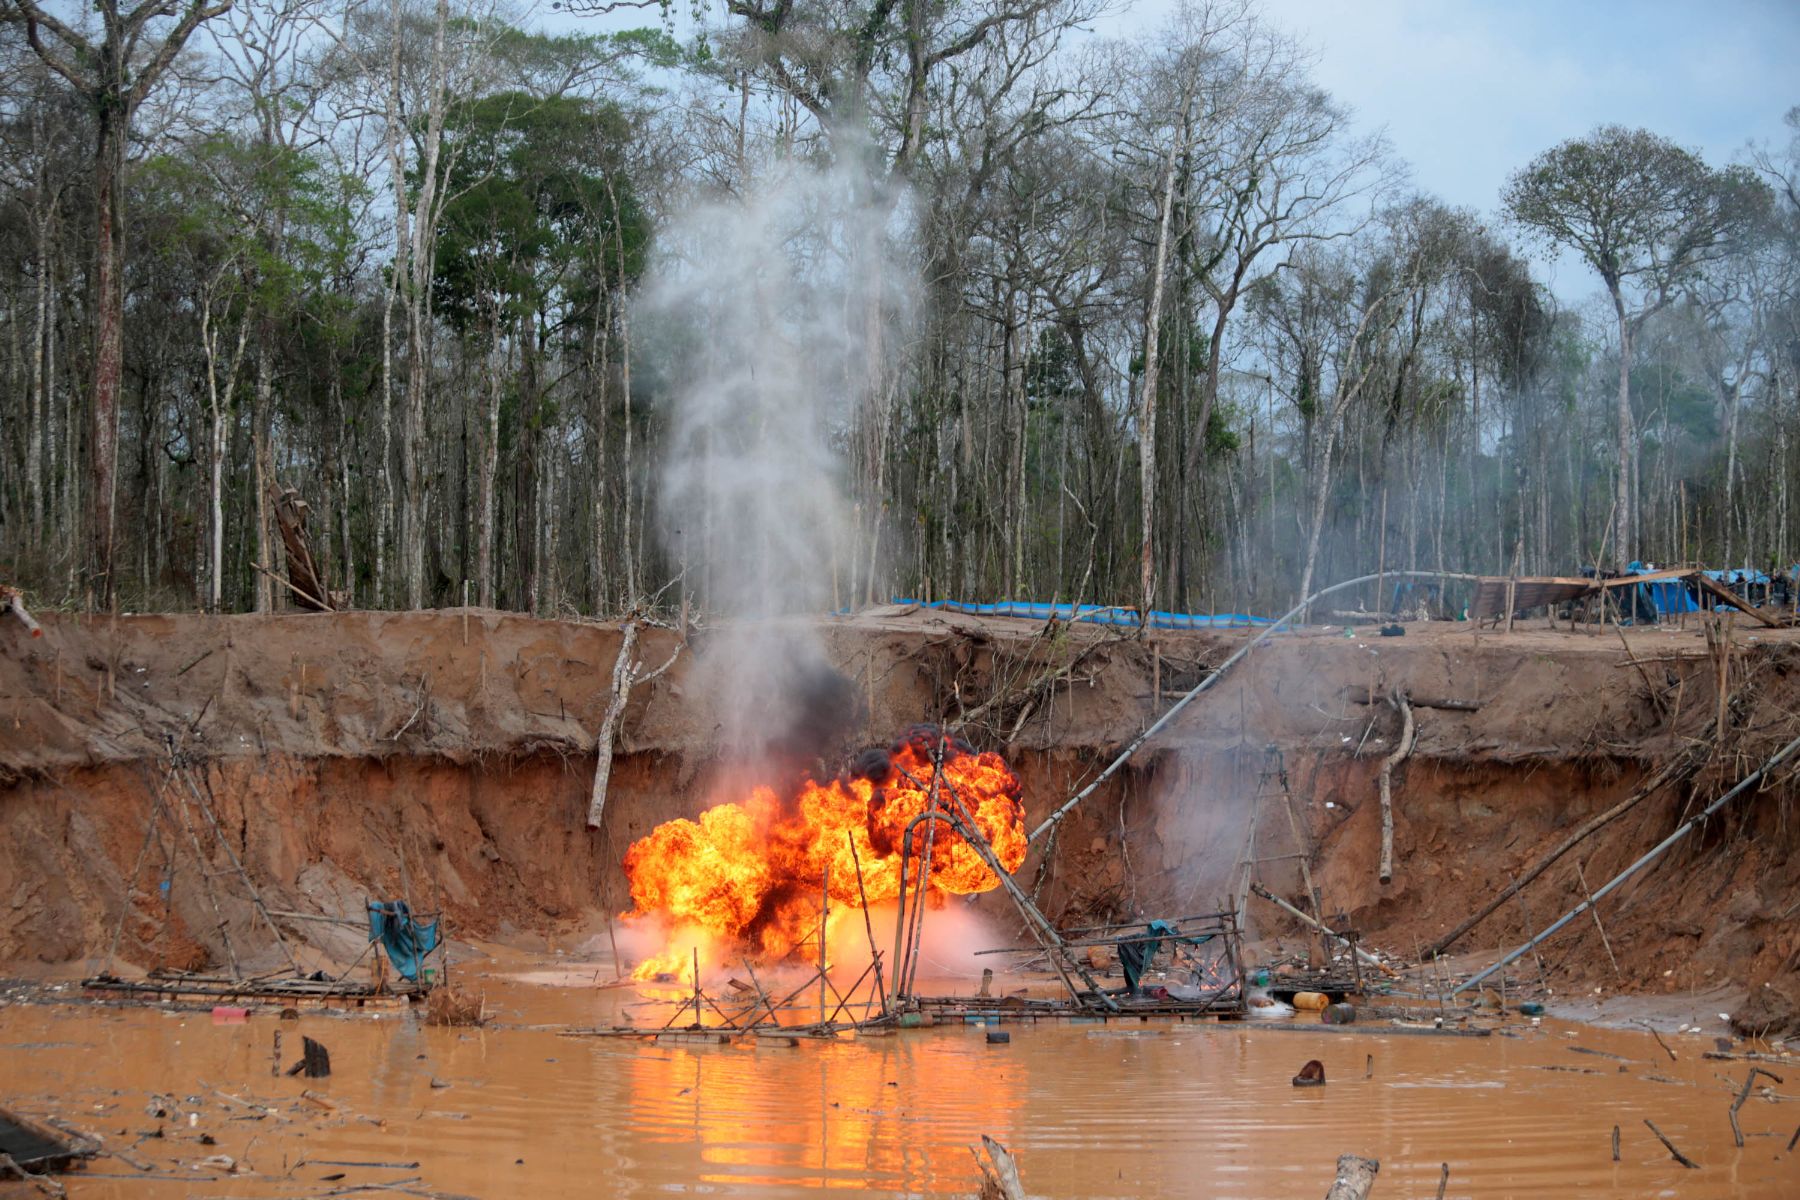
(336,748)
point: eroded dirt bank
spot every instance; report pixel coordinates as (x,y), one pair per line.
(452,752)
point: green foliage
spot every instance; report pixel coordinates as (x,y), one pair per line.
(1634,205)
(541,207)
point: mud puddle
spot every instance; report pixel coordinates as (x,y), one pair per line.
(1091,1110)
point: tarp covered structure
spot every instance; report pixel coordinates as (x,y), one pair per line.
(406,940)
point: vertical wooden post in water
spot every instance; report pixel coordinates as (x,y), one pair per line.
(824,915)
(697,1021)
(868,923)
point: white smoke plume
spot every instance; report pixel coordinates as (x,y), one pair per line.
(780,314)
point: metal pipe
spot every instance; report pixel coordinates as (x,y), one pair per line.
(1656,852)
(1137,743)
(904,950)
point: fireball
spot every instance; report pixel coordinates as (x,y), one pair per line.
(747,874)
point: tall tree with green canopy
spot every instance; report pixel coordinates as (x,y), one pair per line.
(1647,215)
(542,227)
(113,73)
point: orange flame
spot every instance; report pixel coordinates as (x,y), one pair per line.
(748,873)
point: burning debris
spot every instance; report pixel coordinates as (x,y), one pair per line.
(745,876)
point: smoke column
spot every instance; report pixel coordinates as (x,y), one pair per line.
(774,313)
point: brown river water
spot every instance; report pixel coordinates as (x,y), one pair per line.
(1145,1109)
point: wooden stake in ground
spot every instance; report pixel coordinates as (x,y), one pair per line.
(1407,729)
(626,675)
(1595,910)
(1355,1176)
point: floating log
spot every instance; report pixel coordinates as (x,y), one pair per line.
(1374,1030)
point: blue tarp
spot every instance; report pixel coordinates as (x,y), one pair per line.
(1134,957)
(1666,596)
(407,941)
(1097,614)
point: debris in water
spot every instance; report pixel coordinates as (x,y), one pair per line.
(1311,1075)
(314,1062)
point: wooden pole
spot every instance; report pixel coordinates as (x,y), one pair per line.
(824,919)
(1604,940)
(1401,751)
(868,924)
(1655,852)
(1278,902)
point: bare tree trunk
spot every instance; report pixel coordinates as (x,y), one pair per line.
(1623,492)
(624,671)
(40,399)
(490,464)
(263,470)
(418,313)
(1147,402)
(1355,1178)
(109,352)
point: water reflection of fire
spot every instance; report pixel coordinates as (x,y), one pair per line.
(746,876)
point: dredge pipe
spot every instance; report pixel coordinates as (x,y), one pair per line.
(906,947)
(1656,852)
(1137,743)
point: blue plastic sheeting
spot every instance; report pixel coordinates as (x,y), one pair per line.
(1669,596)
(1738,577)
(1665,596)
(1096,614)
(407,941)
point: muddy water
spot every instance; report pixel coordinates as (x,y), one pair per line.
(1146,1109)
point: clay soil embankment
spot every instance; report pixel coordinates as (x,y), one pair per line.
(451,752)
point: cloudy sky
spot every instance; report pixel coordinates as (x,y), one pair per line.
(1469,90)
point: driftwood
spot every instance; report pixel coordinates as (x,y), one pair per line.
(1681,1158)
(1744,1095)
(1674,769)
(1355,1178)
(999,1172)
(626,675)
(12,600)
(1407,731)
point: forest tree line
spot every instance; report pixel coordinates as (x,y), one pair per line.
(1184,337)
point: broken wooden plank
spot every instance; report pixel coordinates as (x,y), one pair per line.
(1723,595)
